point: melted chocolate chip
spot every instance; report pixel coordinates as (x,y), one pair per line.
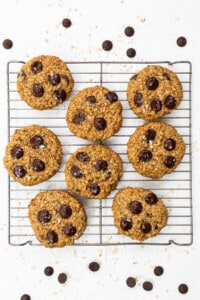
(170,161)
(94,189)
(38,165)
(111,97)
(158,271)
(25,297)
(150,135)
(37,142)
(169,144)
(48,271)
(7,44)
(76,171)
(183,288)
(145,155)
(107,45)
(83,157)
(151,199)
(19,171)
(129,31)
(166,76)
(131,282)
(152,83)
(181,41)
(66,22)
(44,216)
(131,52)
(138,99)
(65,211)
(38,90)
(135,207)
(91,99)
(78,119)
(156,105)
(101,165)
(52,236)
(170,102)
(69,229)
(145,227)
(147,286)
(126,224)
(17,152)
(62,277)
(100,124)
(54,79)
(37,67)
(60,94)
(94,266)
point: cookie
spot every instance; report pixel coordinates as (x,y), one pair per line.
(138,213)
(154,92)
(155,149)
(94,114)
(33,155)
(44,82)
(57,218)
(93,171)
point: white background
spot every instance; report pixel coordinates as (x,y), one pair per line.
(35,28)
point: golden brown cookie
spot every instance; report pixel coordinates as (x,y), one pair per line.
(44,82)
(94,114)
(57,218)
(154,92)
(138,213)
(33,155)
(93,171)
(155,149)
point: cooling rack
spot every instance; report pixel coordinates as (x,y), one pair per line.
(175,189)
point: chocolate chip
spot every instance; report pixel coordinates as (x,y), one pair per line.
(76,171)
(152,83)
(101,165)
(44,216)
(94,266)
(150,135)
(17,152)
(181,41)
(111,97)
(60,94)
(170,102)
(37,142)
(145,227)
(52,236)
(107,45)
(183,288)
(69,229)
(91,99)
(48,271)
(19,171)
(145,155)
(65,78)
(25,297)
(166,76)
(129,31)
(169,144)
(65,211)
(158,271)
(62,277)
(38,90)
(66,22)
(151,199)
(138,99)
(126,224)
(100,124)
(54,78)
(38,165)
(170,161)
(156,105)
(78,119)
(7,44)
(135,207)
(131,282)
(83,157)
(37,67)
(131,52)
(94,189)
(147,286)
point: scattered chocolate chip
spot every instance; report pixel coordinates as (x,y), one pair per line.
(69,229)
(37,67)
(37,142)
(145,155)
(150,135)
(25,297)
(145,227)
(54,79)
(52,236)
(151,199)
(7,44)
(138,99)
(129,31)
(60,94)
(76,171)
(91,99)
(83,157)
(156,105)
(101,165)
(48,271)
(166,76)
(111,97)
(17,152)
(181,41)
(62,277)
(19,171)
(158,271)
(107,45)
(169,144)
(126,224)
(65,78)
(131,282)
(135,207)
(134,77)
(65,211)
(100,124)
(94,189)
(38,165)
(66,22)
(44,216)
(147,286)
(131,52)
(152,83)
(37,90)
(183,288)
(170,161)
(94,266)
(78,119)
(170,102)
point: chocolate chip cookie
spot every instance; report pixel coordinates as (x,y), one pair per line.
(93,171)
(33,155)
(57,218)
(155,149)
(154,92)
(44,82)
(94,114)
(138,213)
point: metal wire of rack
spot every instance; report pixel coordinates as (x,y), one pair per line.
(175,189)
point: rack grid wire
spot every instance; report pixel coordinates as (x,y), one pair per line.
(175,189)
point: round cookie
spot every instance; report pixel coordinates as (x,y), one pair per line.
(57,218)
(94,114)
(93,171)
(33,155)
(44,82)
(155,149)
(154,92)
(138,213)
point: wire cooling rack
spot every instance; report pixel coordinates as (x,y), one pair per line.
(175,189)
